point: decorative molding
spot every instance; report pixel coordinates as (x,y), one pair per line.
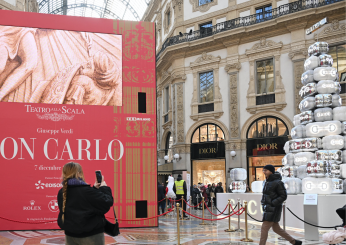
(181,149)
(232,66)
(204,7)
(261,50)
(204,60)
(163,139)
(178,6)
(298,69)
(233,114)
(174,120)
(298,52)
(263,46)
(180,112)
(167,26)
(333,33)
(212,115)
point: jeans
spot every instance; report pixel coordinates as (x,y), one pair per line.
(266,225)
(98,239)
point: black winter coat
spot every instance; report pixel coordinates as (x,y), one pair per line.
(161,192)
(196,193)
(85,209)
(274,194)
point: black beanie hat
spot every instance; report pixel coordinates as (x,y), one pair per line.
(270,168)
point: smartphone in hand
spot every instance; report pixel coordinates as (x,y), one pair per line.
(98,176)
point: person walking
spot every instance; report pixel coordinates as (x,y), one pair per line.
(82,208)
(180,190)
(218,189)
(160,196)
(195,196)
(274,194)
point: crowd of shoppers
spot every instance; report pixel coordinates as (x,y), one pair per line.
(207,191)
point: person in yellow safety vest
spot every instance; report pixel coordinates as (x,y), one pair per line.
(180,190)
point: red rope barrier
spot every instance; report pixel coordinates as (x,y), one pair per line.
(214,219)
(174,200)
(215,214)
(154,217)
(193,206)
(162,200)
(28,222)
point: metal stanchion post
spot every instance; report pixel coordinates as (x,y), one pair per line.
(229,218)
(212,222)
(203,212)
(239,229)
(246,239)
(178,224)
(166,207)
(283,218)
(182,208)
(190,211)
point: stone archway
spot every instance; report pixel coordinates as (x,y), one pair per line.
(205,121)
(279,115)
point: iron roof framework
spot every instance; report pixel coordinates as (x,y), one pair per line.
(110,9)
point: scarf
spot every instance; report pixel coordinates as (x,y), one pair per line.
(75,181)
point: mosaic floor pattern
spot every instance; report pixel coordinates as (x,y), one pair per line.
(191,234)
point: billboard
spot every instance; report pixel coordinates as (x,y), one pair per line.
(69,92)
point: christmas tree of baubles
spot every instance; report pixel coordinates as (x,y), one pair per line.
(315,160)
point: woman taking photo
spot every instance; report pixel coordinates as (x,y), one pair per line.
(82,208)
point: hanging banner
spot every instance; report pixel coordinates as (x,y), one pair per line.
(69,92)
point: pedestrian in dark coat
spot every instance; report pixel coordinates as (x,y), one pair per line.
(160,196)
(274,194)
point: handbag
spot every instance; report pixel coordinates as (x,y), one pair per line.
(112,229)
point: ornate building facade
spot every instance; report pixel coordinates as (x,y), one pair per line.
(19,5)
(228,79)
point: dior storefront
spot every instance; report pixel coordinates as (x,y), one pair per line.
(264,145)
(208,164)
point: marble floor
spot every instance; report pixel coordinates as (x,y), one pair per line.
(192,233)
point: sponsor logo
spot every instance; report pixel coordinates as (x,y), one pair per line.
(137,119)
(40,185)
(53,206)
(32,207)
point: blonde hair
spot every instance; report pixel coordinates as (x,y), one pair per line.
(69,171)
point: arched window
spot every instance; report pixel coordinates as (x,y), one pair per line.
(207,132)
(168,147)
(267,127)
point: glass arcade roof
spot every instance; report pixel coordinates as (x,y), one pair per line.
(110,9)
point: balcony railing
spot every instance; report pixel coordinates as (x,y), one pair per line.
(282,10)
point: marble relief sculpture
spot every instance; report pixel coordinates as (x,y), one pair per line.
(60,67)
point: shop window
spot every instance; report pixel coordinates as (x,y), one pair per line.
(267,127)
(202,2)
(265,76)
(256,165)
(208,133)
(339,62)
(263,13)
(168,148)
(206,86)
